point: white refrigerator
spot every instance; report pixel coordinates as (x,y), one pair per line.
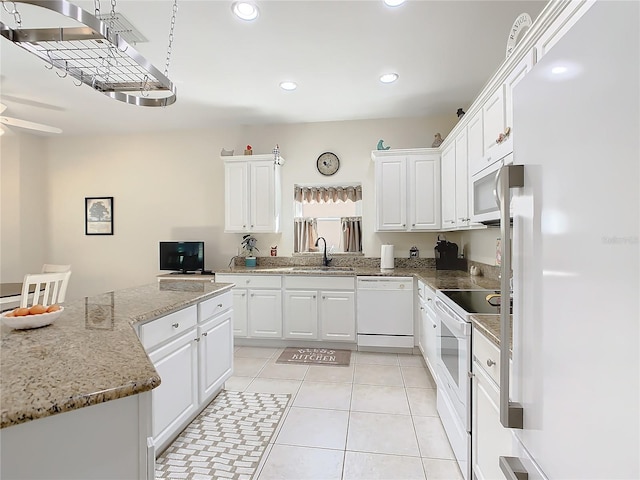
(575,254)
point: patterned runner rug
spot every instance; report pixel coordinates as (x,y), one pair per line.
(315,356)
(227,440)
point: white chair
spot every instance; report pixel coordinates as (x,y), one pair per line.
(49,288)
(52,268)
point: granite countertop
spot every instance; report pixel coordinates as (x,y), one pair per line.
(90,354)
(489,326)
(436,279)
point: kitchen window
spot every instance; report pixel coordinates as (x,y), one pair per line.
(330,211)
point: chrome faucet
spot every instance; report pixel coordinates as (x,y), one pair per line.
(325,260)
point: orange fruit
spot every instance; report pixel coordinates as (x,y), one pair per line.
(53,308)
(21,312)
(37,309)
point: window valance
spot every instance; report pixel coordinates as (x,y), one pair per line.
(327,194)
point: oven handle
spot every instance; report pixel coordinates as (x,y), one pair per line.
(451,320)
(511,413)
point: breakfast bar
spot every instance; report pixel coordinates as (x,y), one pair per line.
(83,385)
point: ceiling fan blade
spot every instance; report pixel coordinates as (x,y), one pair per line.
(15,122)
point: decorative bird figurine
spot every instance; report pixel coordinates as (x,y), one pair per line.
(437,140)
(381,145)
(460,112)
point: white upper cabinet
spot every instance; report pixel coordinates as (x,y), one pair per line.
(252,194)
(475,139)
(494,118)
(449,186)
(462,216)
(407,190)
(517,74)
(391,194)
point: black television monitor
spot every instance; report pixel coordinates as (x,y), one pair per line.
(182,257)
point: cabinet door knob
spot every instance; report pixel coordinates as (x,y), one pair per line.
(253,294)
(324,298)
(204,334)
(490,363)
(434,325)
(313,296)
(243,295)
(220,305)
(175,325)
(197,339)
(413,225)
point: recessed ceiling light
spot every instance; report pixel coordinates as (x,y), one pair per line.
(389,77)
(245,10)
(393,3)
(559,70)
(288,85)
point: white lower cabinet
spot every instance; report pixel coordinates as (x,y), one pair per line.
(176,399)
(319,308)
(337,316)
(427,340)
(215,354)
(265,313)
(192,351)
(301,314)
(257,305)
(489,439)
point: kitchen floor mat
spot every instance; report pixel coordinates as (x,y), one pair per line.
(315,356)
(227,440)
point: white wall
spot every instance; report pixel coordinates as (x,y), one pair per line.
(169,186)
(480,245)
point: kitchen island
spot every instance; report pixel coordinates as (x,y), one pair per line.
(83,385)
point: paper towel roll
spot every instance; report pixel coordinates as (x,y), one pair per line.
(386,257)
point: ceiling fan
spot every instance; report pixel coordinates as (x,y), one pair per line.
(16,122)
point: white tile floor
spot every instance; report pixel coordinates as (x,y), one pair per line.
(375,419)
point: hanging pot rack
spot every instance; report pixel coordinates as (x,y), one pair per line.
(94,56)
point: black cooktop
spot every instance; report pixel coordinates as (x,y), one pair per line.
(475,301)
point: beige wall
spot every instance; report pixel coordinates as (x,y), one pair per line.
(23,206)
(170,186)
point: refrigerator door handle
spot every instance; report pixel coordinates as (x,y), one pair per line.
(513,469)
(509,176)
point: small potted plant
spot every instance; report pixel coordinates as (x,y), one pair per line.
(249,245)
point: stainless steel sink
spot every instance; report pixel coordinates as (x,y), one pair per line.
(319,268)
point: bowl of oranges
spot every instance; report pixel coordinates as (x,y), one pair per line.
(31,317)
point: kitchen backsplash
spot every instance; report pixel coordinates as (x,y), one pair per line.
(488,271)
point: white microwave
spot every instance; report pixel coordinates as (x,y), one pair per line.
(484,198)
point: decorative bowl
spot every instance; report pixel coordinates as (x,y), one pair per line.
(30,321)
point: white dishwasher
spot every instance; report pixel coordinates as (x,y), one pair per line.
(385,312)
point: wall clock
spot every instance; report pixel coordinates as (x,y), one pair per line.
(328,163)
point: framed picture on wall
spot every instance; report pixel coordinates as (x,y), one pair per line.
(98,215)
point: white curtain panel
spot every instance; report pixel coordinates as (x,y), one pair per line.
(305,234)
(352,234)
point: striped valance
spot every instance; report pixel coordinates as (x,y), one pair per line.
(327,194)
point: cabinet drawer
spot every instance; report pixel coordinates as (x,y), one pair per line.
(320,283)
(214,305)
(251,281)
(487,356)
(162,329)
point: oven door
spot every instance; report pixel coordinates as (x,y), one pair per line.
(454,360)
